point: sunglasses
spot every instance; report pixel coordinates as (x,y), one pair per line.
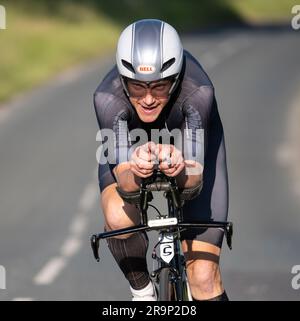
(157,89)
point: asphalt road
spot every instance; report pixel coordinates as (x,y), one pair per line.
(49,199)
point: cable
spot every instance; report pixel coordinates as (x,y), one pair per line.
(160,215)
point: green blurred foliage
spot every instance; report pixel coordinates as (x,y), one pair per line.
(185,15)
(44,37)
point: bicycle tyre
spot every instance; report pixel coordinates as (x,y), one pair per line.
(166,288)
(186,295)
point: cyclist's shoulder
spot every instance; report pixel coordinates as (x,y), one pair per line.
(196,84)
(194,74)
(110,92)
(110,85)
(197,91)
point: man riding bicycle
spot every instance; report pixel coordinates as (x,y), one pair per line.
(156,84)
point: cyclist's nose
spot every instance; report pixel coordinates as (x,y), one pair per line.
(149,99)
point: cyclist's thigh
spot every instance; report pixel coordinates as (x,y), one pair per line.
(212,203)
(117,213)
(210,236)
(200,209)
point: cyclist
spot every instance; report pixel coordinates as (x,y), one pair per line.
(156,84)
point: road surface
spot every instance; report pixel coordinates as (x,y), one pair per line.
(49,199)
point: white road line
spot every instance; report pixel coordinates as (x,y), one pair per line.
(50,271)
(87,200)
(70,247)
(288,152)
(78,225)
(23,299)
(73,242)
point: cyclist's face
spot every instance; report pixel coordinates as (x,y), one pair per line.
(149,99)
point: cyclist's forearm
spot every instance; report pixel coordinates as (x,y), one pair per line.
(126,180)
(191,176)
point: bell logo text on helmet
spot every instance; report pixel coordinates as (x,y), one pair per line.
(146,69)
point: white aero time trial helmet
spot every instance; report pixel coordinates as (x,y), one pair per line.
(149,50)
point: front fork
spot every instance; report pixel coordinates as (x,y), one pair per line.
(170,243)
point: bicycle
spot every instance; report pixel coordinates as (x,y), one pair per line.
(170,275)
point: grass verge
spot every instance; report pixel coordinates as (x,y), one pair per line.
(36,46)
(44,37)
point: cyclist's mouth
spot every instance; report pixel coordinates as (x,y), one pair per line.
(149,110)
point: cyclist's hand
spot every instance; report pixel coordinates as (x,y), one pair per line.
(171,161)
(143,160)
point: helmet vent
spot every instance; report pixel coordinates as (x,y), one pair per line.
(128,65)
(167,64)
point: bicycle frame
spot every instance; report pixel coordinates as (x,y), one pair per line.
(172,259)
(171,224)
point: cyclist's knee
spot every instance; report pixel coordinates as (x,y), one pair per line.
(117,219)
(204,275)
(117,213)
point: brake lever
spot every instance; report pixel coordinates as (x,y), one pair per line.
(95,246)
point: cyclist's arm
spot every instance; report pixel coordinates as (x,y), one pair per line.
(184,180)
(126,180)
(112,115)
(198,111)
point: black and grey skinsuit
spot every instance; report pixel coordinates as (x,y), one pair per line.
(193,105)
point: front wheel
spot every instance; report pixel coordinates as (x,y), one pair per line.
(166,287)
(186,293)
